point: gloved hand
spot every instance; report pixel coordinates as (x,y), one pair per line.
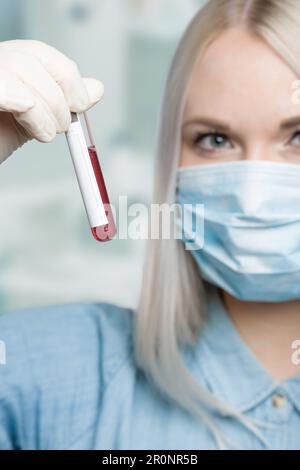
(39,86)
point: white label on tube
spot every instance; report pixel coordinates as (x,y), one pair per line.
(85,175)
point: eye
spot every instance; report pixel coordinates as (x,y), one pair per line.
(296,137)
(210,141)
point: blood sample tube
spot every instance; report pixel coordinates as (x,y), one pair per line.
(90,179)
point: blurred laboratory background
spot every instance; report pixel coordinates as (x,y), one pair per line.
(47,253)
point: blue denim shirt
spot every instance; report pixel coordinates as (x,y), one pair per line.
(70,382)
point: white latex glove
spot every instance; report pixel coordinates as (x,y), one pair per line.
(39,86)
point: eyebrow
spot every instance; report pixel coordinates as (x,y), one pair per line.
(290,123)
(286,124)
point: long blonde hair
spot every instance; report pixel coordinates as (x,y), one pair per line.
(172,301)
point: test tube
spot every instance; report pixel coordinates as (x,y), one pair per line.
(90,179)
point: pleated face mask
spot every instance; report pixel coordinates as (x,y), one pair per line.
(250,242)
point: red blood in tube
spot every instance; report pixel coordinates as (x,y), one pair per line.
(106,232)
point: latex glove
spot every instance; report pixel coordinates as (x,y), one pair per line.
(39,86)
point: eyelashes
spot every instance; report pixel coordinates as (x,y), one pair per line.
(213,141)
(296,134)
(209,141)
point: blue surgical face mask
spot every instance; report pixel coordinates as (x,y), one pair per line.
(251,244)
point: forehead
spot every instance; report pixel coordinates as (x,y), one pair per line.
(239,72)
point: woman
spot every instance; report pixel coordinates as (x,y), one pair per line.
(206,360)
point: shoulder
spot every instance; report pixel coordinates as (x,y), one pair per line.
(59,359)
(64,332)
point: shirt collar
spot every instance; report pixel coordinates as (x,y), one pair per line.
(226,364)
(292,388)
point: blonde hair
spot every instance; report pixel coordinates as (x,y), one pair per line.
(172,301)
